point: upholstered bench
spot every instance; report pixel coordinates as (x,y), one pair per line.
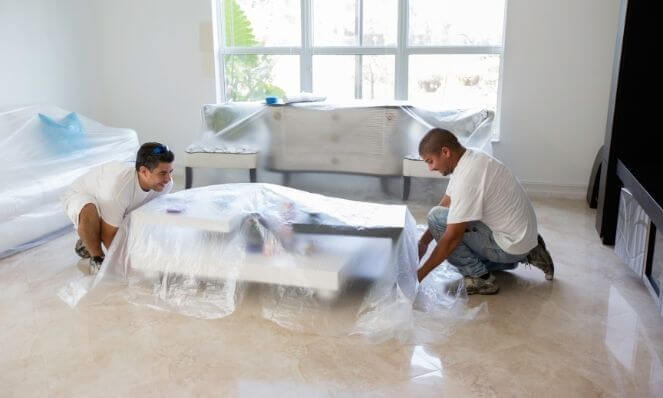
(220,158)
(414,166)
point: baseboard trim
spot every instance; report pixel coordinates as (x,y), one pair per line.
(545,190)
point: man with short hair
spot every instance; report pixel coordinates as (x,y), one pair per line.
(98,201)
(485,221)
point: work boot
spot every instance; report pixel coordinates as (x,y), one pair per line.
(541,259)
(95,264)
(478,285)
(81,250)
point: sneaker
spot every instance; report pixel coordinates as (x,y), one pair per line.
(477,285)
(95,264)
(541,259)
(81,250)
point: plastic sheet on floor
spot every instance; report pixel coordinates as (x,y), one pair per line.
(307,262)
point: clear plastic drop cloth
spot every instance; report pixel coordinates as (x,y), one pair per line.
(44,149)
(355,137)
(307,262)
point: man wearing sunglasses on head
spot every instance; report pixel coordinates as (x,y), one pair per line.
(98,201)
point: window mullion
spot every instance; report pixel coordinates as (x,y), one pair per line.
(306,55)
(359,29)
(218,27)
(455,50)
(354,50)
(401,59)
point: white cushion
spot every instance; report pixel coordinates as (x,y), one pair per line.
(221,160)
(418,168)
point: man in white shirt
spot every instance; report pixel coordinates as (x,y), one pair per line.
(485,221)
(98,201)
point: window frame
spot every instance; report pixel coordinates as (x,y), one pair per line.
(306,51)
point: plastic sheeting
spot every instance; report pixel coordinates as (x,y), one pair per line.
(355,137)
(41,158)
(307,262)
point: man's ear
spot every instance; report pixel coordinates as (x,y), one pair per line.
(142,170)
(445,152)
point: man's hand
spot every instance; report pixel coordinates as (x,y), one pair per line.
(421,274)
(449,241)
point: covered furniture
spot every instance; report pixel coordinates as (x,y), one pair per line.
(44,149)
(304,261)
(281,242)
(357,137)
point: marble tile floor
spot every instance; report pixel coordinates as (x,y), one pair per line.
(594,331)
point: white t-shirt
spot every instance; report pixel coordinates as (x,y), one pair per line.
(115,187)
(483,189)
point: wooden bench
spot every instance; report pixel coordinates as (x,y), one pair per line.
(245,159)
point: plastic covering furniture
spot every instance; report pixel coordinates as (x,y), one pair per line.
(355,137)
(305,261)
(40,161)
(308,249)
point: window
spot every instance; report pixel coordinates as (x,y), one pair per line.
(444,52)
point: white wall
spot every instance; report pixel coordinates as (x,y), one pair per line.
(557,69)
(156,67)
(147,64)
(557,74)
(44,53)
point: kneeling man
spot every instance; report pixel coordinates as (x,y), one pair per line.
(485,221)
(97,201)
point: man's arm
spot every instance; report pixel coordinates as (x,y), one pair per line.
(449,241)
(424,241)
(446,201)
(107,233)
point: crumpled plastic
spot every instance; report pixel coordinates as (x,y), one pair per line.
(307,262)
(40,161)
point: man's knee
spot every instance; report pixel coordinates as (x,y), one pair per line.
(88,214)
(89,208)
(437,221)
(438,216)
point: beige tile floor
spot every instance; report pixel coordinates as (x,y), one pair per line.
(594,331)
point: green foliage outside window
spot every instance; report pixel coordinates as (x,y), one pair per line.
(248,76)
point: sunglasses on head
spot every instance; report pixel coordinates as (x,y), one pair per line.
(158,150)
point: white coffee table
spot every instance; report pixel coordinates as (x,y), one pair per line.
(194,244)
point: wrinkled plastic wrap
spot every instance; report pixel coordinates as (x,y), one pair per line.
(355,137)
(632,232)
(40,161)
(307,262)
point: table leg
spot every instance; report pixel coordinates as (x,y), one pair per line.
(188,177)
(406,187)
